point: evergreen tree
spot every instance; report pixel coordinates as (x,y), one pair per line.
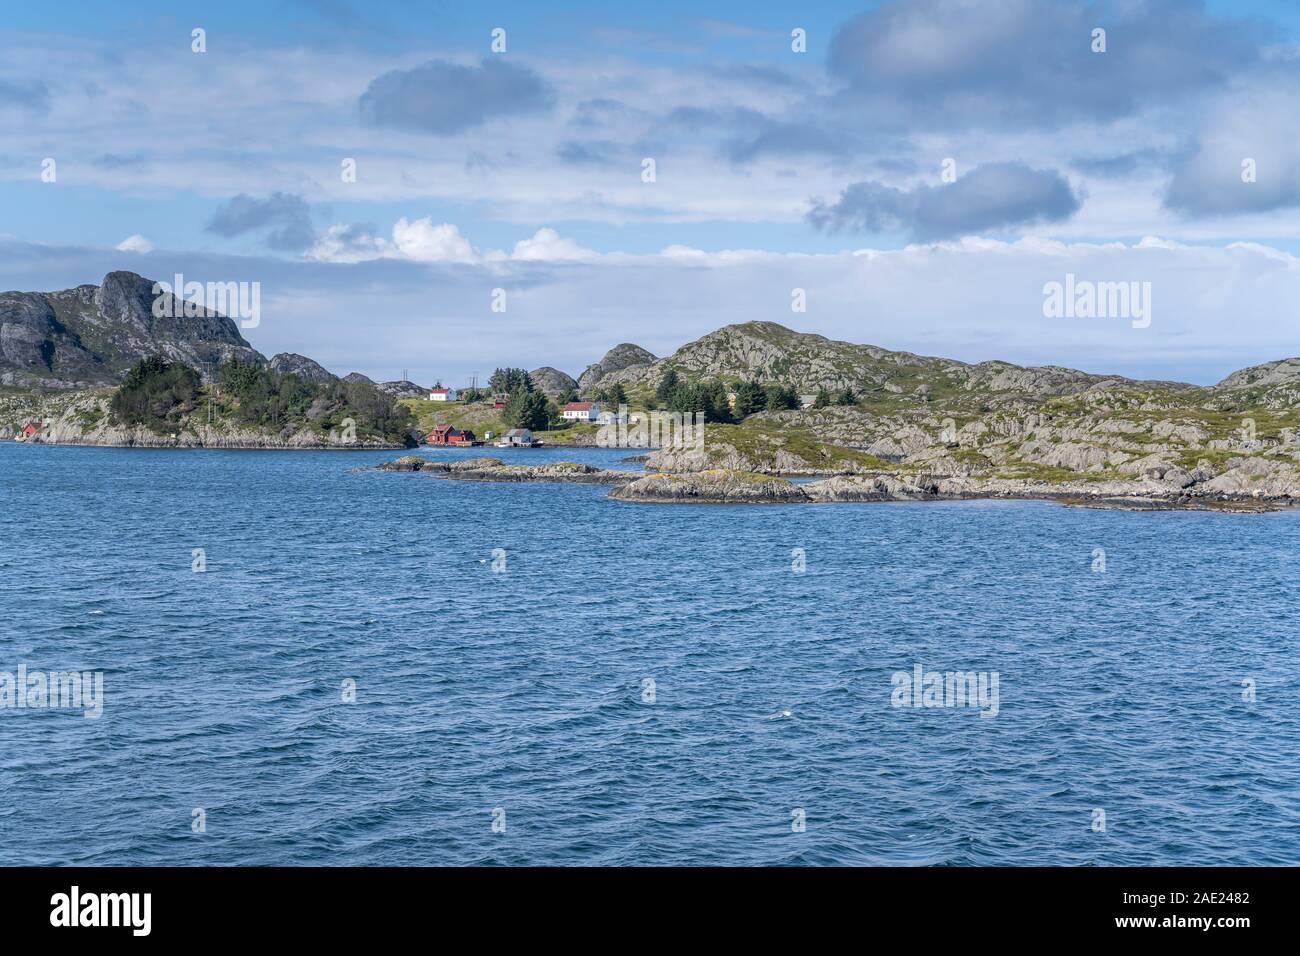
(823,398)
(778,397)
(527,409)
(511,381)
(750,398)
(667,385)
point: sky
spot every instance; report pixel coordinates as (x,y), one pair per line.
(444,188)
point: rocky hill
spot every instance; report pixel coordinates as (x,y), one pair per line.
(402,388)
(552,382)
(768,352)
(91,335)
(625,360)
(291,363)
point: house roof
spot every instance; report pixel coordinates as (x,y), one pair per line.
(517,432)
(444,429)
(579,406)
(439,391)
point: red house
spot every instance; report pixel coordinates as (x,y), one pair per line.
(30,429)
(449,435)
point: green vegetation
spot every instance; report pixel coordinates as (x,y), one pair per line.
(528,409)
(508,381)
(263,397)
(157,394)
(162,396)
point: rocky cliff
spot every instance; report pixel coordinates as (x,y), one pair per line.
(92,334)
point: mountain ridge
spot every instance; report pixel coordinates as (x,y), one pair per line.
(90,335)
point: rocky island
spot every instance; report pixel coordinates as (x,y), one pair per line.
(93,365)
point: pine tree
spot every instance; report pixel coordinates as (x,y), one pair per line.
(667,386)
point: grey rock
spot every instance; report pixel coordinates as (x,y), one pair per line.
(620,359)
(719,486)
(402,389)
(291,363)
(91,335)
(552,382)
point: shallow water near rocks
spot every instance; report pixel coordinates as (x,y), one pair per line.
(523,690)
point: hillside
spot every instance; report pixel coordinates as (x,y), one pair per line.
(990,421)
(768,352)
(91,335)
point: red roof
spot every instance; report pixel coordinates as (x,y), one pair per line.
(439,391)
(579,406)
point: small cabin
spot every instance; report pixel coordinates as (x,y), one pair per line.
(441,394)
(581,411)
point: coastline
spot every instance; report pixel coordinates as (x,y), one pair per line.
(729,486)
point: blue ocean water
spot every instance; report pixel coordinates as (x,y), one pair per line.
(518,696)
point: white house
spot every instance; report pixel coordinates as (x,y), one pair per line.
(442,394)
(581,411)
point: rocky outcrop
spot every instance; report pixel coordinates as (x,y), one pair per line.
(1281,372)
(402,389)
(92,335)
(616,366)
(761,449)
(494,469)
(291,363)
(358,378)
(553,383)
(717,486)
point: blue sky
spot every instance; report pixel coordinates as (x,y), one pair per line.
(774,170)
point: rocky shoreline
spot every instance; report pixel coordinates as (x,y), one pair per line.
(730,486)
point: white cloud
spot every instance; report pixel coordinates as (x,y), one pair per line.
(547,246)
(420,240)
(135,243)
(343,243)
